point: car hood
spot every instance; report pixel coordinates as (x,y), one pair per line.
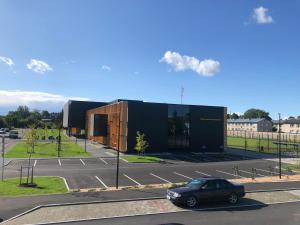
(180,189)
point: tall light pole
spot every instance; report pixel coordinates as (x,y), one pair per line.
(279,144)
(118,153)
(3,151)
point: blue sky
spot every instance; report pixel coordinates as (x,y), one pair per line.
(239,54)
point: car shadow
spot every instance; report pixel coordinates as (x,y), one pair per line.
(245,204)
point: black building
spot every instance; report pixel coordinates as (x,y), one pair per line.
(74,114)
(168,127)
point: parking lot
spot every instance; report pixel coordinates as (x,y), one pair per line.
(100,172)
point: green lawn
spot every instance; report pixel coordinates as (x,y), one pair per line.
(141,159)
(47,150)
(45,185)
(292,166)
(253,144)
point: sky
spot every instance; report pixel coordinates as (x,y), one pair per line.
(238,54)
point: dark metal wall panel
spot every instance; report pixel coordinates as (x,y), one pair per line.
(207,128)
(151,119)
(76,112)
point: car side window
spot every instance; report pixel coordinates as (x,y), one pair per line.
(211,184)
(223,184)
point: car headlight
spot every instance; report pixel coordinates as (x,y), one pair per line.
(177,195)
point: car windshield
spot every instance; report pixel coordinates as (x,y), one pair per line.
(196,184)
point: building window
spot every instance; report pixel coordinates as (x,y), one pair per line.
(178,126)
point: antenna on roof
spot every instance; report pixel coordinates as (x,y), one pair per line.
(181,95)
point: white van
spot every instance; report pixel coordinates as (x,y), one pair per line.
(13,134)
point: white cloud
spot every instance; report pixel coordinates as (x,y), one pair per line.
(260,15)
(206,67)
(105,67)
(10,99)
(7,61)
(38,66)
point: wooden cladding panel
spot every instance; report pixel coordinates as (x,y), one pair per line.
(117,113)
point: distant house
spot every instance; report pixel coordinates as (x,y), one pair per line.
(288,126)
(256,125)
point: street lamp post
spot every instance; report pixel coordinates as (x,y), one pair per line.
(58,143)
(118,153)
(3,151)
(279,144)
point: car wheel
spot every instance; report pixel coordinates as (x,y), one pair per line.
(191,201)
(233,198)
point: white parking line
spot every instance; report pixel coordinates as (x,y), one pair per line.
(251,173)
(179,174)
(124,160)
(161,178)
(205,174)
(277,168)
(82,162)
(101,181)
(110,154)
(269,171)
(59,162)
(103,161)
(231,174)
(35,161)
(131,179)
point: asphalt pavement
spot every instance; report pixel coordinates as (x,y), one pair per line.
(100,172)
(11,206)
(277,214)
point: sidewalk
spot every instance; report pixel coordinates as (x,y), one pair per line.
(96,149)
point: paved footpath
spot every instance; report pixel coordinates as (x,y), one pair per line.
(51,214)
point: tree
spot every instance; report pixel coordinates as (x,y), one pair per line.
(31,137)
(2,122)
(234,116)
(256,113)
(141,143)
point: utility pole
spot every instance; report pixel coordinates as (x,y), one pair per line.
(181,94)
(3,150)
(279,144)
(118,156)
(58,143)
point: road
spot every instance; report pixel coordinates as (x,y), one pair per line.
(11,206)
(278,214)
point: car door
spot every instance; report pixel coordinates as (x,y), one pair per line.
(224,189)
(208,191)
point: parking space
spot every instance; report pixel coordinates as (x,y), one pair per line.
(194,157)
(101,171)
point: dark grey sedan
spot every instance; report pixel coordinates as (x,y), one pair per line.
(206,189)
